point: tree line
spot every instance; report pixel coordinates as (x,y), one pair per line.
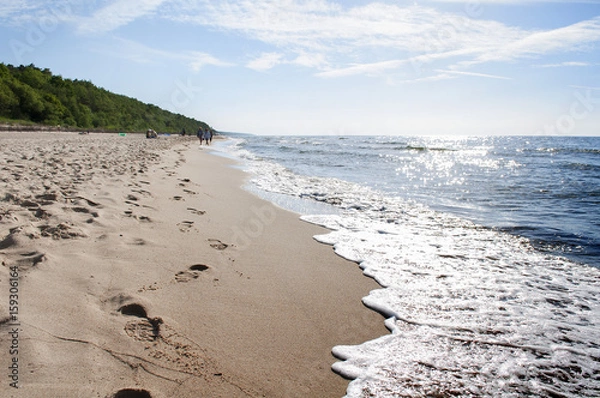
(32,95)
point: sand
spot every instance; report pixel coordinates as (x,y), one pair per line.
(140,268)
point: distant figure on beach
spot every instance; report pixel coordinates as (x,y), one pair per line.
(151,134)
(182,132)
(207,136)
(200,134)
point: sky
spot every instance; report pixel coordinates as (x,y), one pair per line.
(429,67)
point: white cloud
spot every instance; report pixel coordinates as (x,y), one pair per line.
(197,60)
(587,88)
(475,74)
(39,12)
(416,63)
(115,15)
(140,53)
(266,61)
(433,78)
(563,64)
(562,40)
(374,68)
(270,60)
(9,8)
(311,60)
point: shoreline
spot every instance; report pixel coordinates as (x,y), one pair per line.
(149,267)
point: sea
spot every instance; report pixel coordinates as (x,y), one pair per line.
(487,251)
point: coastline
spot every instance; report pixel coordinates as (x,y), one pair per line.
(147,267)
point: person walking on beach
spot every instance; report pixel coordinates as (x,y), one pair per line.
(207,136)
(200,134)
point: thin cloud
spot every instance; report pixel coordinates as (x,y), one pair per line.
(24,12)
(587,88)
(265,62)
(10,8)
(475,74)
(311,60)
(140,53)
(562,40)
(433,78)
(376,68)
(196,60)
(364,69)
(115,15)
(563,64)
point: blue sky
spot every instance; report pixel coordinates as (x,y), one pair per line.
(329,67)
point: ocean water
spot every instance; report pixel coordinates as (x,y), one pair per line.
(487,250)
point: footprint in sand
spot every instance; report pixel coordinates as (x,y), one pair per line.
(79,209)
(163,343)
(47,198)
(196,211)
(193,272)
(185,226)
(131,393)
(142,192)
(129,213)
(78,199)
(217,244)
(132,200)
(151,287)
(144,328)
(31,259)
(134,309)
(137,242)
(63,230)
(42,214)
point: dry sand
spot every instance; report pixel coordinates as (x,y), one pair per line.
(140,268)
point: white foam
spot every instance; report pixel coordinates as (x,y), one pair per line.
(476,312)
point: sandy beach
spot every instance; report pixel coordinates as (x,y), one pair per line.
(141,268)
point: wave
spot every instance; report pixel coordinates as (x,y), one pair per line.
(423,148)
(569,150)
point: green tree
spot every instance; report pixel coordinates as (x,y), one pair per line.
(8,101)
(54,111)
(31,105)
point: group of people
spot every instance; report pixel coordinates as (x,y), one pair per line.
(205,135)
